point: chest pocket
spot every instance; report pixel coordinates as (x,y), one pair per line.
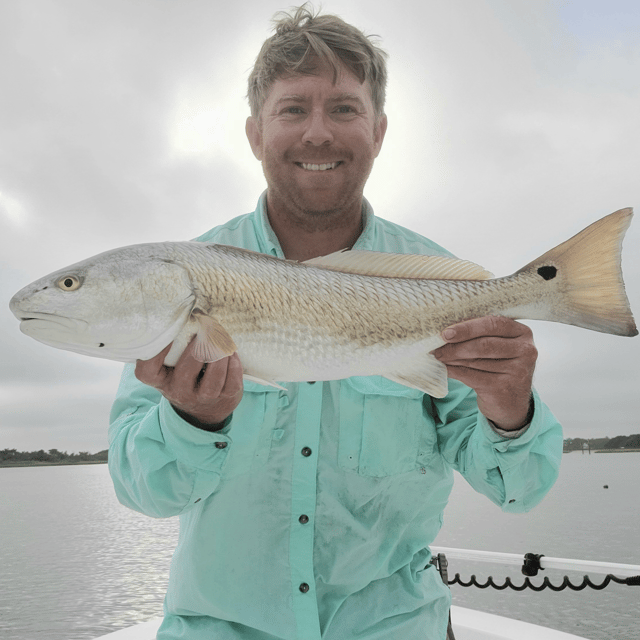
(253,428)
(384,430)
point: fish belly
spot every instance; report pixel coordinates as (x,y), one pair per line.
(324,359)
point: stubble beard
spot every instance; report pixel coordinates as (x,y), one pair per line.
(300,211)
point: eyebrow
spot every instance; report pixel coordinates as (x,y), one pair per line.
(291,98)
(347,97)
(342,97)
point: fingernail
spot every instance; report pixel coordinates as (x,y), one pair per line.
(448,334)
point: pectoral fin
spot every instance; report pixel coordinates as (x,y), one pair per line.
(212,340)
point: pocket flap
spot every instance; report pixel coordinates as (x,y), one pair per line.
(377,385)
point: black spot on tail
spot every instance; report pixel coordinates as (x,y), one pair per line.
(548,273)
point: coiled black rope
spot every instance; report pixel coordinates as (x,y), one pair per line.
(530,567)
(546,583)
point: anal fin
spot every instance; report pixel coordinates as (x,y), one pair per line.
(268,383)
(425,374)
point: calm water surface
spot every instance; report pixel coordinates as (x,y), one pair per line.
(76,564)
(578,519)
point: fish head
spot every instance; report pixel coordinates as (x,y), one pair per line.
(122,305)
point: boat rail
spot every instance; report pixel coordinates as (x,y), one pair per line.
(545,562)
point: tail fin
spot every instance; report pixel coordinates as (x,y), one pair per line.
(590,268)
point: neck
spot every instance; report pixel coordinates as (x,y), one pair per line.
(305,235)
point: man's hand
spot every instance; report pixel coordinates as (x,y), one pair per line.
(496,357)
(202,394)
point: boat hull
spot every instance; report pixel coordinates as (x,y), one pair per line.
(468,624)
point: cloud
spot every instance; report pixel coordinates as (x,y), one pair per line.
(512,125)
(12,211)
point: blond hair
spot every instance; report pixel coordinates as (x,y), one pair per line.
(303,41)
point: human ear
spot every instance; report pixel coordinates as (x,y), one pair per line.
(254,135)
(379,132)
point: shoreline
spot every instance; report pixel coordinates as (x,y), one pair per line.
(603,451)
(35,463)
(5,464)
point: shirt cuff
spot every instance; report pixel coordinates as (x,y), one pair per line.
(515,433)
(192,446)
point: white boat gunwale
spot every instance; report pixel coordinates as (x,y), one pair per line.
(468,624)
(563,564)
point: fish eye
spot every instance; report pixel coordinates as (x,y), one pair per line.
(69,283)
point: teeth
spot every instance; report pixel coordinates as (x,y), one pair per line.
(319,167)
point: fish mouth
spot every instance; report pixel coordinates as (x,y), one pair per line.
(31,318)
(25,316)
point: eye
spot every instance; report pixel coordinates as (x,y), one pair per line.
(69,283)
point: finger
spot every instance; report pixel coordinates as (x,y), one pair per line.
(188,368)
(508,385)
(486,365)
(475,378)
(484,347)
(222,378)
(486,326)
(212,381)
(153,372)
(185,383)
(234,381)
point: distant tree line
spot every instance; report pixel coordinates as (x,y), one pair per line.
(53,456)
(619,442)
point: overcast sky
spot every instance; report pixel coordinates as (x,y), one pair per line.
(513,124)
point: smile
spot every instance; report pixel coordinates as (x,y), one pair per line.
(318,167)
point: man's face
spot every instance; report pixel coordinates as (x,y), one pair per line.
(317,142)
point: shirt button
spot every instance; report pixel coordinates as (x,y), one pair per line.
(304,587)
(511,501)
(221,445)
(303,519)
(306,452)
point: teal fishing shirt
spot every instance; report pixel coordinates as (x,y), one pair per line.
(310,514)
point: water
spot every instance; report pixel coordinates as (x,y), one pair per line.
(76,564)
(578,519)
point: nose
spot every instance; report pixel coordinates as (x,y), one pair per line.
(318,129)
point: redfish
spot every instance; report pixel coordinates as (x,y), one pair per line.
(352,313)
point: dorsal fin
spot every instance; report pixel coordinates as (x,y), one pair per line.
(395,265)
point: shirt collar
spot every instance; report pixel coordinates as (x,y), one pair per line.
(365,239)
(271,245)
(268,238)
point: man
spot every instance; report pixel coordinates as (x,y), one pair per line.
(307,513)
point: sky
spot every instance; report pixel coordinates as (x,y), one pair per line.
(513,124)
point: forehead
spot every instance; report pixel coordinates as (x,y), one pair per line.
(320,85)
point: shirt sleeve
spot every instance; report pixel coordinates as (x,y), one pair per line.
(514,472)
(160,465)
